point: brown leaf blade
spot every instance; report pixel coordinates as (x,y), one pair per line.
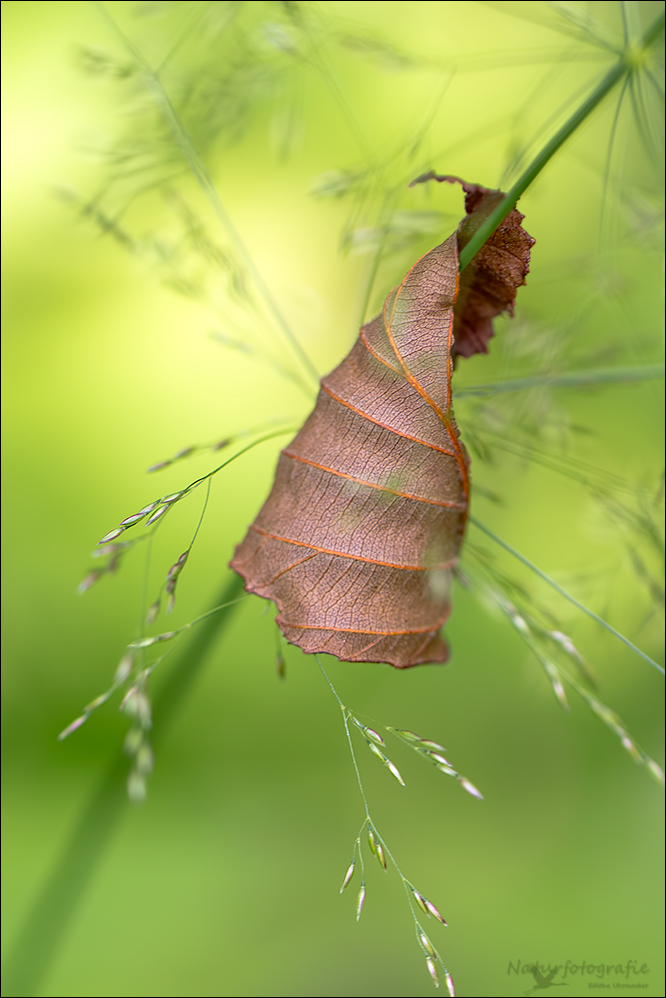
(489,283)
(357,539)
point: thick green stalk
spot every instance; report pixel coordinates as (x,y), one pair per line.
(48,920)
(627,64)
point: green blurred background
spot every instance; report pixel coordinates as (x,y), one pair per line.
(226,881)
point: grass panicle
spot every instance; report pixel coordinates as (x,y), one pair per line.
(375,841)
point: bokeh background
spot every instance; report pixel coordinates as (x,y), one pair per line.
(311,118)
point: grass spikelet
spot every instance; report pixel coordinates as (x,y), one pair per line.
(432,910)
(425,942)
(430,750)
(348,875)
(432,970)
(538,638)
(360,901)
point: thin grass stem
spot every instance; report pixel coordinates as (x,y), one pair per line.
(596,376)
(572,599)
(196,165)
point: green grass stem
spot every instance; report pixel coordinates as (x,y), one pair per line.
(575,379)
(629,63)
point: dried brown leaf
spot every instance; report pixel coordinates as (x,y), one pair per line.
(356,542)
(489,283)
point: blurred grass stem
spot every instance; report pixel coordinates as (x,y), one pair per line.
(196,165)
(572,599)
(47,922)
(595,376)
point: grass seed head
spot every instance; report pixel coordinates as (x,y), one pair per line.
(631,748)
(148,509)
(124,668)
(432,910)
(348,875)
(656,771)
(427,945)
(89,581)
(111,536)
(72,727)
(373,748)
(129,521)
(137,706)
(157,515)
(153,613)
(145,760)
(136,787)
(432,970)
(394,771)
(409,736)
(133,741)
(420,900)
(470,788)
